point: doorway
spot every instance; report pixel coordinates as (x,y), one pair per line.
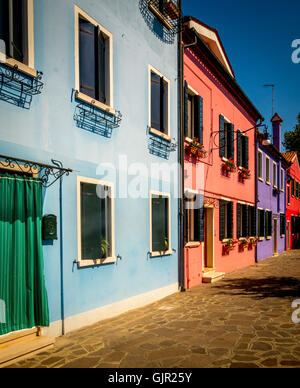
(275,238)
(208,239)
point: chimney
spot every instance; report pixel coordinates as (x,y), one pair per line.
(276,125)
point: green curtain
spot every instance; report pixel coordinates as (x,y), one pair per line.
(23,294)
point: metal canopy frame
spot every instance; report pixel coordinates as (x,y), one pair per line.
(48,174)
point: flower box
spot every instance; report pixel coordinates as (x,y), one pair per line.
(229,246)
(196,149)
(229,165)
(245,173)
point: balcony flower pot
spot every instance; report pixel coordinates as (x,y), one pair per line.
(196,149)
(244,244)
(229,165)
(229,246)
(171,9)
(245,173)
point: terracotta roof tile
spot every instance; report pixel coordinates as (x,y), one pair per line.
(289,156)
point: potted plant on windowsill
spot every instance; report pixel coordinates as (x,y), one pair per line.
(229,165)
(229,245)
(104,247)
(244,173)
(253,241)
(244,243)
(196,149)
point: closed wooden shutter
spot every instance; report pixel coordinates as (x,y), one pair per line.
(87,58)
(253,221)
(19,29)
(199,218)
(198,114)
(230,220)
(245,221)
(222,220)
(4,24)
(222,136)
(186,111)
(100,66)
(246,152)
(230,150)
(238,216)
(239,148)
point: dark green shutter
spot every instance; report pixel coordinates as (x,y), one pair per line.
(230,219)
(198,118)
(199,218)
(230,141)
(222,136)
(239,145)
(238,217)
(186,113)
(222,220)
(253,228)
(100,65)
(245,221)
(266,224)
(246,152)
(87,58)
(258,223)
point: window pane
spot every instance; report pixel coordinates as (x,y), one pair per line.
(155,102)
(268,170)
(165,107)
(87,58)
(260,165)
(160,224)
(95,224)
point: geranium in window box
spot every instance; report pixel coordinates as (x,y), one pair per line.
(229,165)
(253,241)
(196,149)
(244,243)
(229,245)
(171,9)
(245,173)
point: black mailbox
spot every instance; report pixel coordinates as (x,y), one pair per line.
(49,228)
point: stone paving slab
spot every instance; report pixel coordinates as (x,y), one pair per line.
(243,321)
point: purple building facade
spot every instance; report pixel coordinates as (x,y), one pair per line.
(271,194)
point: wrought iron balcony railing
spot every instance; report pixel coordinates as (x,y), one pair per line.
(167,11)
(18,88)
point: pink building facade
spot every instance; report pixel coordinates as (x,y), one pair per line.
(219,132)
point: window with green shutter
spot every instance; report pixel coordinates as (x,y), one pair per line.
(226,139)
(261,223)
(282,224)
(245,222)
(226,220)
(268,224)
(193,116)
(194,218)
(242,150)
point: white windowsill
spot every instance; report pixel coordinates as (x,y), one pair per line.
(160,134)
(260,179)
(94,263)
(194,244)
(21,67)
(89,100)
(161,254)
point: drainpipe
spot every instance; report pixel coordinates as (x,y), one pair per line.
(62,302)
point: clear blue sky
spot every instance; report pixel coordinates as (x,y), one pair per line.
(257,36)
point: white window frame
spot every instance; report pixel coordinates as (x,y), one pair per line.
(268,178)
(282,180)
(89,263)
(27,69)
(260,175)
(109,107)
(275,176)
(170,250)
(167,137)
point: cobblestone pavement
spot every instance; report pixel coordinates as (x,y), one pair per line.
(245,320)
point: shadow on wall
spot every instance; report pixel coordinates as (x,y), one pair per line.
(165,35)
(271,287)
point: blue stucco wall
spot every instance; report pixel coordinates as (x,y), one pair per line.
(48,131)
